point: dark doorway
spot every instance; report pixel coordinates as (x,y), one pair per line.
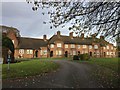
(104,54)
(78,52)
(66,53)
(119,54)
(91,54)
(36,53)
(51,53)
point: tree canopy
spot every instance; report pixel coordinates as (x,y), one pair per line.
(102,18)
(7,43)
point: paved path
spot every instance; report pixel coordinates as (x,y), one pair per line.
(69,75)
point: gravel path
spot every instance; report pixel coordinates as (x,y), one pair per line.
(69,75)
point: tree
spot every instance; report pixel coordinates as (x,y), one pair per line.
(102,18)
(7,43)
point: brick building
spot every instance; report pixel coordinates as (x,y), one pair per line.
(58,45)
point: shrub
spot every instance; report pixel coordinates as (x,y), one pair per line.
(75,57)
(84,56)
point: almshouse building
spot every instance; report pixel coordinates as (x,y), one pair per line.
(58,45)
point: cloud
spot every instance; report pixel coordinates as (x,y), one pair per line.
(29,22)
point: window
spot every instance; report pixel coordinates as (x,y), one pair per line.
(90,47)
(107,47)
(78,46)
(104,48)
(41,52)
(59,45)
(111,47)
(29,51)
(107,53)
(98,52)
(74,52)
(13,41)
(45,52)
(52,45)
(58,52)
(72,46)
(21,51)
(66,46)
(95,46)
(84,46)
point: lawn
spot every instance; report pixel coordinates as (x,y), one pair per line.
(106,71)
(28,68)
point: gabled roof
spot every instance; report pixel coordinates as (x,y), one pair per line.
(68,40)
(31,43)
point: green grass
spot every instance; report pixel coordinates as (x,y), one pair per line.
(106,71)
(28,68)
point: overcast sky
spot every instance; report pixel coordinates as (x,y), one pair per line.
(28,22)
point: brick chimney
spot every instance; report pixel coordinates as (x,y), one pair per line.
(44,37)
(82,35)
(71,35)
(94,35)
(58,34)
(102,37)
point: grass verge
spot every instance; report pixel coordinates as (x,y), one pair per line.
(106,71)
(28,68)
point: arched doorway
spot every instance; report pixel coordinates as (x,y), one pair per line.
(36,53)
(66,53)
(91,54)
(51,53)
(104,54)
(78,52)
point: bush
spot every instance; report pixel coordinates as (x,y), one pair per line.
(84,56)
(75,57)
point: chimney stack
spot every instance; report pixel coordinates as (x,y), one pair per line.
(71,35)
(94,35)
(58,34)
(102,37)
(44,37)
(82,35)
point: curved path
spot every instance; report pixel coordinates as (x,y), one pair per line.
(69,75)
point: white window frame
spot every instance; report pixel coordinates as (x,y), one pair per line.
(72,45)
(59,45)
(21,51)
(95,46)
(90,46)
(66,45)
(74,52)
(78,46)
(84,46)
(45,52)
(107,47)
(13,41)
(52,46)
(58,52)
(29,51)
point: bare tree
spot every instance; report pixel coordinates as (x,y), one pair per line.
(102,18)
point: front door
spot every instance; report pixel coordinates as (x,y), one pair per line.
(36,53)
(51,53)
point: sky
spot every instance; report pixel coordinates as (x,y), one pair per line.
(30,23)
(19,14)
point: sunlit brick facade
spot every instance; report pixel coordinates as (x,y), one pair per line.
(59,45)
